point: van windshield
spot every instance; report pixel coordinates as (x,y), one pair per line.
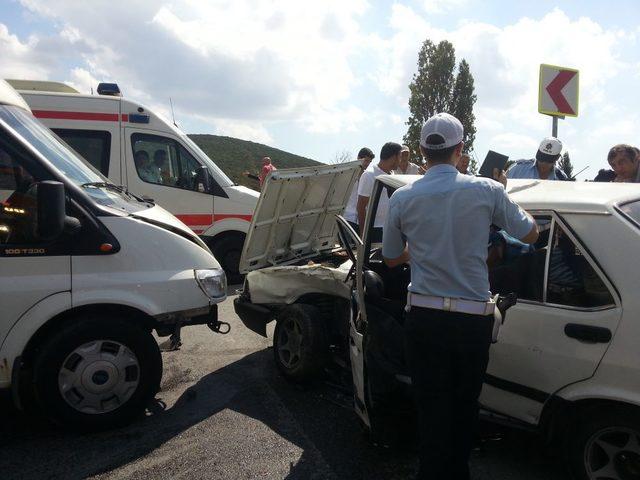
(70,165)
(221,176)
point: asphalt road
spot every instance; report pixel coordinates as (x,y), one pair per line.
(225,413)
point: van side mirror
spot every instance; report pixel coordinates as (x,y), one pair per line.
(51,210)
(52,216)
(203,179)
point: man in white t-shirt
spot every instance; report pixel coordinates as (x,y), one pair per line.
(406,167)
(389,161)
(365,156)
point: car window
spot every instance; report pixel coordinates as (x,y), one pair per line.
(572,281)
(164,161)
(516,267)
(632,211)
(18,207)
(93,145)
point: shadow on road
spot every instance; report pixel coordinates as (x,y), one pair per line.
(317,419)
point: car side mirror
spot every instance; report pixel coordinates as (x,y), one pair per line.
(52,217)
(203,180)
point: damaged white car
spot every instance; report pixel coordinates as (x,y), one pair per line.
(296,272)
(566,363)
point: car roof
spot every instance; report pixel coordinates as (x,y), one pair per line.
(582,197)
(8,96)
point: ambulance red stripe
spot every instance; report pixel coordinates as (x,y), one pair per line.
(91,116)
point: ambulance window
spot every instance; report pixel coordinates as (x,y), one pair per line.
(571,279)
(164,161)
(18,208)
(93,145)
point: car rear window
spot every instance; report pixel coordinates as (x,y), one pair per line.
(632,211)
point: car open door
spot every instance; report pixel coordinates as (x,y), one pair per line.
(357,319)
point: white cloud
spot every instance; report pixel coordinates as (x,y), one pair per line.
(441,6)
(244,130)
(226,61)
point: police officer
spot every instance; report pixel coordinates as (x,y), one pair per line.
(440,225)
(544,166)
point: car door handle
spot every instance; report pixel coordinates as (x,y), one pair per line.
(587,333)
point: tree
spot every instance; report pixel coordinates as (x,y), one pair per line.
(462,101)
(340,157)
(473,163)
(434,90)
(565,165)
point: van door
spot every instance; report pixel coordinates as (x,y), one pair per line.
(559,330)
(30,270)
(161,168)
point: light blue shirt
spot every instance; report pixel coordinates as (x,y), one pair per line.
(444,218)
(528,169)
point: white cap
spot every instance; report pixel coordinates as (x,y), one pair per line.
(445,125)
(549,150)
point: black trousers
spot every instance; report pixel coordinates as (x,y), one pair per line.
(447,355)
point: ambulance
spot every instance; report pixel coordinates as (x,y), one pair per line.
(148,155)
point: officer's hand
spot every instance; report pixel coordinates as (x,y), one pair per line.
(500,176)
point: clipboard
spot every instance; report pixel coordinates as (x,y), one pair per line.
(491,161)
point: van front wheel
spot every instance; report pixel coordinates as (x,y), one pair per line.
(97,373)
(228,251)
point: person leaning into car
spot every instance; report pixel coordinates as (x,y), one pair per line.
(440,225)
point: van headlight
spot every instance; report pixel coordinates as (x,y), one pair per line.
(213,282)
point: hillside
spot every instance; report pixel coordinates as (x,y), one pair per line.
(235,156)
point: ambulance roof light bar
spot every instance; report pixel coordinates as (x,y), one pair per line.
(110,89)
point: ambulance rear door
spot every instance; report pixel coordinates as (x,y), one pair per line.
(90,125)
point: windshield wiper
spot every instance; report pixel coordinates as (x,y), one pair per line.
(118,188)
(107,185)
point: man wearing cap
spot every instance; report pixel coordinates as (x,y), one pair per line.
(389,160)
(544,166)
(365,156)
(440,225)
(406,167)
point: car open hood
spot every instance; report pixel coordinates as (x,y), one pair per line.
(295,215)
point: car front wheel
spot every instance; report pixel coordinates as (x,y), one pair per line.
(606,446)
(300,343)
(97,373)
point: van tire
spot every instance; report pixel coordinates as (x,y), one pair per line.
(97,350)
(584,455)
(300,345)
(228,251)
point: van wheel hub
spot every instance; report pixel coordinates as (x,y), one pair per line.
(613,454)
(290,343)
(99,376)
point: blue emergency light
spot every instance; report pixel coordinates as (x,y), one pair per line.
(138,118)
(111,89)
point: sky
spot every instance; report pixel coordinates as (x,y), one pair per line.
(323,78)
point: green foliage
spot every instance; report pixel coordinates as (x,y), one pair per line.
(434,89)
(473,164)
(235,156)
(565,165)
(462,101)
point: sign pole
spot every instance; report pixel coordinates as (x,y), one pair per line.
(554,127)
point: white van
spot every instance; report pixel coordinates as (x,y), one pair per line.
(137,148)
(87,272)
